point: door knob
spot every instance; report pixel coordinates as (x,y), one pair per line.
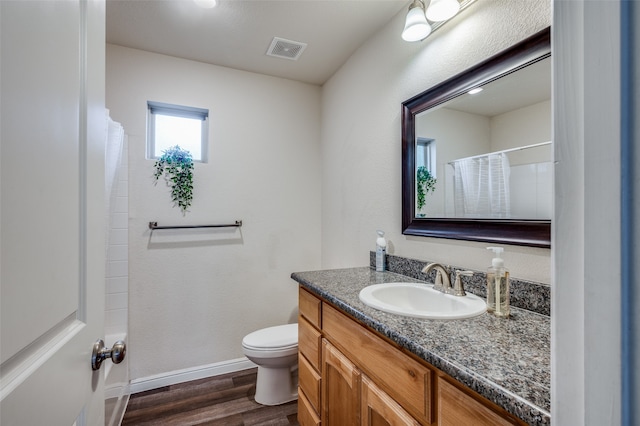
(100,353)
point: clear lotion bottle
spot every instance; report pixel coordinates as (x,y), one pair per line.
(381,252)
(498,285)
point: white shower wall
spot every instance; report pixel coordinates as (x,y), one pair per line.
(531,187)
(117,271)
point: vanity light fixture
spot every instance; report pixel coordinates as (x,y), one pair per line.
(422,21)
(206,4)
(441,10)
(474,91)
(416,27)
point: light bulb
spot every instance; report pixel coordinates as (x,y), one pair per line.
(416,26)
(206,4)
(441,10)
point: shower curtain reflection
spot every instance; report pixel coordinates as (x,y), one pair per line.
(481,187)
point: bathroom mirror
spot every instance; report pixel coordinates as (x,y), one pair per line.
(479,167)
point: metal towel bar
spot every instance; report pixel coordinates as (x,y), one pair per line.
(154,226)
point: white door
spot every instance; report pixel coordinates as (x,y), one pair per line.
(52,211)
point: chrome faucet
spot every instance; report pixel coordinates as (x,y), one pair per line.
(443,282)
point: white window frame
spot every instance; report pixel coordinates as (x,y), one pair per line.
(428,159)
(160,108)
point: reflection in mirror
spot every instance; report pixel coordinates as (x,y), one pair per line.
(479,167)
(488,154)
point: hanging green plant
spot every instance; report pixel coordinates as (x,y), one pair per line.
(176,165)
(425,183)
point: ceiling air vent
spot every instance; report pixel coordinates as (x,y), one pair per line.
(286,49)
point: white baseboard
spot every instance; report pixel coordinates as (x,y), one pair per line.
(188,374)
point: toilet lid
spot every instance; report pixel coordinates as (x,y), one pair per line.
(278,337)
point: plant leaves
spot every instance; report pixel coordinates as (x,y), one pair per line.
(177,167)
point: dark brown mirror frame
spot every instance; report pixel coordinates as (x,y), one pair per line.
(533,233)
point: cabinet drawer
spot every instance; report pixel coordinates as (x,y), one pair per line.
(309,342)
(309,381)
(401,377)
(456,408)
(306,415)
(310,307)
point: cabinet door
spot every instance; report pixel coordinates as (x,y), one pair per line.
(403,378)
(340,388)
(378,409)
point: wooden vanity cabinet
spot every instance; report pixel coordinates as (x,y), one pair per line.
(307,415)
(350,376)
(403,378)
(379,409)
(309,380)
(340,388)
(350,398)
(309,359)
(456,407)
(310,308)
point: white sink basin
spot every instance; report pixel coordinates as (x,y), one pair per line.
(421,301)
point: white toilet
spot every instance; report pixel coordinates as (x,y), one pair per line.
(275,351)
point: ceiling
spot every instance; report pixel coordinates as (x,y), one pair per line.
(526,87)
(237,33)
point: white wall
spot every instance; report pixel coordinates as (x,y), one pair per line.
(524,126)
(471,134)
(194,295)
(361,115)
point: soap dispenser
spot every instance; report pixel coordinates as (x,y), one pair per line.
(381,252)
(498,285)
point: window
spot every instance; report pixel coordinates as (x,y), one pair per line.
(171,125)
(426,154)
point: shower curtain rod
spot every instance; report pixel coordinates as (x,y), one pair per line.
(504,151)
(154,225)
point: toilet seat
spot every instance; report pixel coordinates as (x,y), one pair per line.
(278,338)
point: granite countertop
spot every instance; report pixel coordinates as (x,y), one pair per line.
(505,360)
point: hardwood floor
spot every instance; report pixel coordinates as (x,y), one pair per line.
(222,400)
